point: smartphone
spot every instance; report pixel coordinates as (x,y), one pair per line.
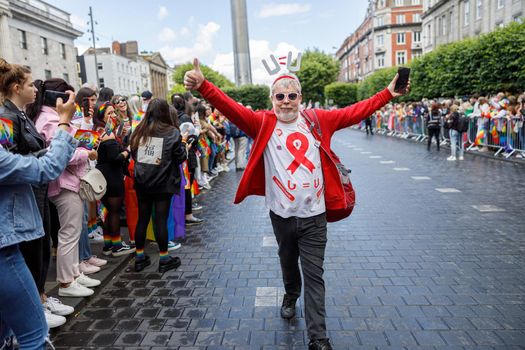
(85,107)
(402,80)
(50,97)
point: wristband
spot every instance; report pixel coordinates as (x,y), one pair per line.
(68,125)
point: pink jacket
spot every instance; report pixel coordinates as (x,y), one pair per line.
(46,124)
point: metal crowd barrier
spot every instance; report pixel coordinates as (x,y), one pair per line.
(502,136)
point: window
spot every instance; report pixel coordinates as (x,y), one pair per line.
(479,4)
(501,3)
(466,12)
(380,61)
(63,51)
(400,19)
(417,37)
(47,74)
(416,54)
(43,44)
(101,82)
(416,17)
(399,2)
(380,41)
(380,21)
(100,66)
(443,25)
(400,38)
(65,76)
(429,34)
(416,2)
(22,39)
(400,57)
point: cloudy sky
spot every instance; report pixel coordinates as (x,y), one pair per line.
(181,30)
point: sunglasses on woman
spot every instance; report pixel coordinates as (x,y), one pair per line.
(292,96)
(122,100)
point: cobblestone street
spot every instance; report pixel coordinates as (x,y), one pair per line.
(433,257)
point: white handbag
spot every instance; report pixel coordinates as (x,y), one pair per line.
(92,185)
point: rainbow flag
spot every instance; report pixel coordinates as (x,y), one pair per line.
(6,131)
(495,135)
(78,113)
(86,138)
(110,126)
(137,118)
(480,136)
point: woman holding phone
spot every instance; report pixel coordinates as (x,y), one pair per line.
(111,158)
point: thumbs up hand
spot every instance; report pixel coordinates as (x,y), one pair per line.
(193,79)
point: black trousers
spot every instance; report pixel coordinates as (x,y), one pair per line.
(305,239)
(187,209)
(433,132)
(37,252)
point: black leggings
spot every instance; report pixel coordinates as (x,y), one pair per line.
(112,222)
(187,192)
(162,202)
(37,252)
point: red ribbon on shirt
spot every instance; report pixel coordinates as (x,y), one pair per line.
(299,153)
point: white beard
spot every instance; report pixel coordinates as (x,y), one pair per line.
(287,117)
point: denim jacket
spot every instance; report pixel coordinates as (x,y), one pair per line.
(21,218)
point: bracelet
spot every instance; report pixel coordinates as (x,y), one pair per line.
(68,125)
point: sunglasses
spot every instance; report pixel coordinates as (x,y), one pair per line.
(291,96)
(122,100)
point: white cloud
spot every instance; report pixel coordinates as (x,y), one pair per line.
(273,9)
(167,35)
(184,31)
(259,49)
(202,47)
(163,13)
(79,22)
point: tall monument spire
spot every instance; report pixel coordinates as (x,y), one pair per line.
(241,45)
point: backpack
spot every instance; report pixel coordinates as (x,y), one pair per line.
(344,173)
(462,125)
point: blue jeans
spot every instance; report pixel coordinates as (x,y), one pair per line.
(456,139)
(84,250)
(21,310)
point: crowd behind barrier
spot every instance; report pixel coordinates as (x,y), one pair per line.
(495,124)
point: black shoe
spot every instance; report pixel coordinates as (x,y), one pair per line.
(319,344)
(170,264)
(288,307)
(142,263)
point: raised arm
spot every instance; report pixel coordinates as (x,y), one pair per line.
(345,117)
(246,119)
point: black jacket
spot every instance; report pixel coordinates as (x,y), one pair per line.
(26,138)
(157,164)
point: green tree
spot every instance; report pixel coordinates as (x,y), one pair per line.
(253,95)
(343,94)
(213,76)
(376,82)
(317,70)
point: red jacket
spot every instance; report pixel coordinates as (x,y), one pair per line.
(259,125)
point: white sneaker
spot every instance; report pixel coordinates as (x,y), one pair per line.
(225,167)
(75,289)
(52,320)
(86,281)
(451,158)
(173,246)
(461,158)
(87,269)
(55,306)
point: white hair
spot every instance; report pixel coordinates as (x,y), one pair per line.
(286,80)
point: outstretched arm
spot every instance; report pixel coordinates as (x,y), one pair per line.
(246,119)
(345,117)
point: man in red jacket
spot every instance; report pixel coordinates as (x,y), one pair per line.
(298,179)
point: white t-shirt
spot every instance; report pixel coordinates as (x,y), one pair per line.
(293,173)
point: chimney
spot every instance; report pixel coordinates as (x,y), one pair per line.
(115,47)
